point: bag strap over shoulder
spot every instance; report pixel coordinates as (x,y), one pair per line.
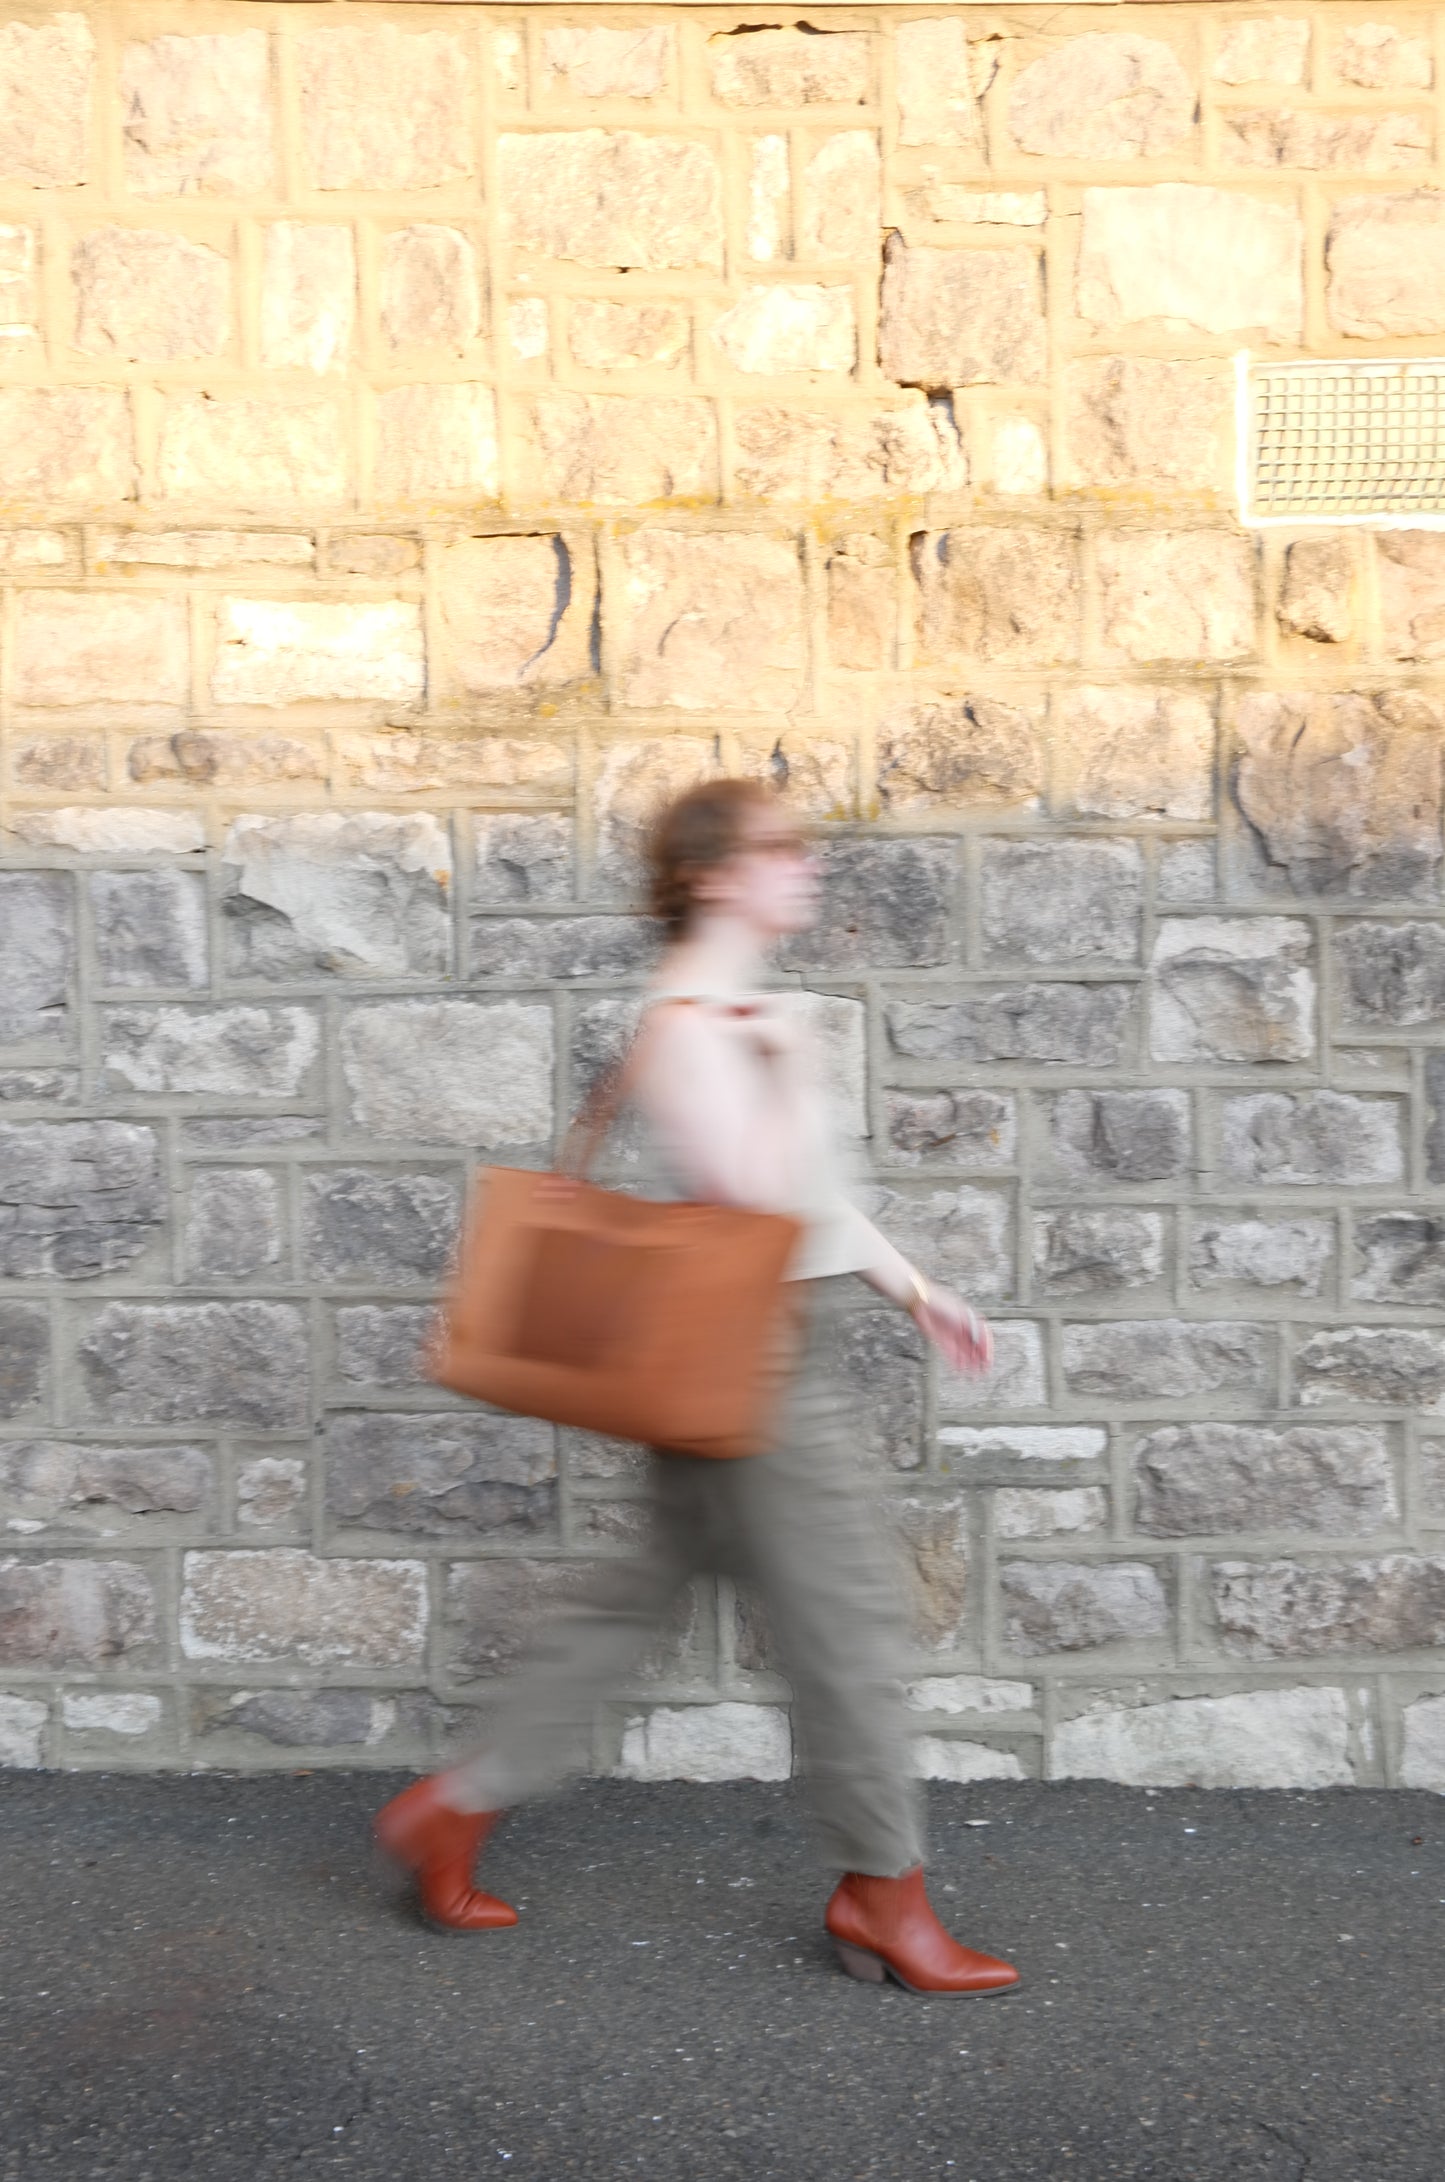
(609,1092)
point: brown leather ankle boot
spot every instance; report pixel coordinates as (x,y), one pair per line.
(440,1845)
(885,1928)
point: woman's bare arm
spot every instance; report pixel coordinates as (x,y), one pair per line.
(724,1101)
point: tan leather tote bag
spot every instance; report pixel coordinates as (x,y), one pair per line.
(665,1323)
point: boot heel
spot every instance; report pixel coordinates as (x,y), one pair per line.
(866,1968)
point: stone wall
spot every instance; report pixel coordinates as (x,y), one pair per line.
(429,434)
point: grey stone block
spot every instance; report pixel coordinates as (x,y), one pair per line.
(37,1086)
(1062,901)
(150,928)
(249,1133)
(368,1224)
(932,1538)
(522,857)
(1311,1138)
(1305,1610)
(1395,1366)
(535,950)
(1091,1249)
(1401,1259)
(24,1357)
(233,1224)
(1076,1606)
(961,1236)
(270,1490)
(451,1071)
(1391,976)
(885,906)
(1016,1381)
(882,1371)
(1089,1026)
(37,954)
(494,1609)
(57,1482)
(1435,1117)
(239,1052)
(1260,1253)
(1120,1136)
(381,1344)
(1169,1359)
(1232,989)
(1197,1479)
(1188,872)
(75,1613)
(1432,1480)
(472,1475)
(305,1720)
(241,1363)
(279,1603)
(77,1198)
(333,893)
(951,1128)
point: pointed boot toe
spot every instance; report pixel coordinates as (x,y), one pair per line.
(439,1845)
(886,1928)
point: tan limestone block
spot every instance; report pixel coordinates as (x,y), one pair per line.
(955,202)
(789,68)
(528,328)
(384,108)
(799,454)
(1211,258)
(1364,143)
(117,830)
(961,317)
(1149,421)
(45,91)
(1382,57)
(430,293)
(608,450)
(605,336)
(770,190)
(250,451)
(308,295)
(936,94)
(814,778)
(19,291)
(1018,456)
(1129,752)
(781,328)
(1009,597)
(434,440)
(218,757)
(1108,95)
(961,754)
(197,115)
(841,199)
(709,621)
(200,549)
(63,762)
(862,602)
(1185,594)
(1385,261)
(282,652)
(598,62)
(1316,598)
(66,443)
(149,296)
(612,198)
(100,647)
(408,763)
(1264,49)
(1410,569)
(372,553)
(634,781)
(34,549)
(517,612)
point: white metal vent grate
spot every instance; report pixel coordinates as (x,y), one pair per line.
(1341,443)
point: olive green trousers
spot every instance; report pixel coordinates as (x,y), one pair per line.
(804,1524)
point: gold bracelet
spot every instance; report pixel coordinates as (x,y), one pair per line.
(922,1296)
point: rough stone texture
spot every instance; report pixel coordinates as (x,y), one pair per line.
(1411,573)
(804,327)
(716,1742)
(1386,259)
(711,621)
(1401,1259)
(951,1128)
(233,1224)
(52,1485)
(22,1732)
(1317,594)
(1217,260)
(960,317)
(936,83)
(73,1613)
(881,1357)
(450,1071)
(789,68)
(308,295)
(1382,57)
(977,753)
(246,1052)
(1232,989)
(1251,1253)
(959,1236)
(1066,901)
(375,1226)
(270,1491)
(37,951)
(612,198)
(518,612)
(1422,1759)
(45,93)
(477,1475)
(240,1363)
(77,1198)
(789,453)
(430,296)
(356,894)
(1263,49)
(1076,1606)
(885,904)
(1021,1511)
(434,440)
(1394,1365)
(150,928)
(1287,1609)
(71,648)
(1111,95)
(381,1345)
(613,451)
(1085,1025)
(197,115)
(1359,143)
(1312,1138)
(1168,1359)
(1003,597)
(521,858)
(1295,1738)
(933,1538)
(65,444)
(250,451)
(144,295)
(839,213)
(1119,1136)
(606,336)
(1090,1250)
(275,653)
(1197,1479)
(384,108)
(1135,752)
(1185,595)
(288,1606)
(496,1608)
(598,62)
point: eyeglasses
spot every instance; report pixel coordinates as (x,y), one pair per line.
(791,844)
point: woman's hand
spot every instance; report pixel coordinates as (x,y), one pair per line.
(961,1337)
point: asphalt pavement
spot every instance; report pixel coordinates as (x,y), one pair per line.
(212,1978)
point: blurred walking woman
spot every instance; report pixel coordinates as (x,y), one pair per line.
(726,1083)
